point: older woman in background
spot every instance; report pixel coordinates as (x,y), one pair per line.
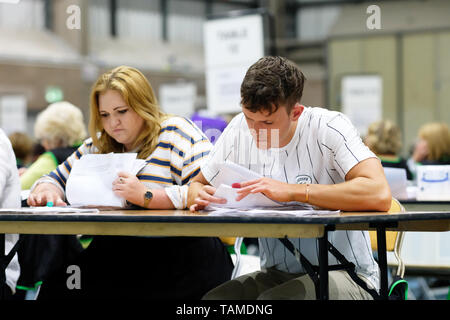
(60,129)
(385,140)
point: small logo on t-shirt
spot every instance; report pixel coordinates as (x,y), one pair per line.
(303,179)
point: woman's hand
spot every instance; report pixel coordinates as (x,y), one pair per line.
(45,193)
(272,189)
(130,188)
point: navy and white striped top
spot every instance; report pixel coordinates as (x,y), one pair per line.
(324,148)
(181,148)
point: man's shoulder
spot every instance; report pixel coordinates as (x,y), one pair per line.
(323,112)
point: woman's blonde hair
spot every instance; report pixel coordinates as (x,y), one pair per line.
(138,94)
(61,123)
(384,138)
(437,136)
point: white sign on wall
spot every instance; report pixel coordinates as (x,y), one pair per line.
(362,97)
(232,45)
(178,98)
(13,113)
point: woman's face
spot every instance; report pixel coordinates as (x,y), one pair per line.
(119,120)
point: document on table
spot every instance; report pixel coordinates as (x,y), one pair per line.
(250,201)
(90,180)
(255,204)
(232,173)
(270,212)
(67,209)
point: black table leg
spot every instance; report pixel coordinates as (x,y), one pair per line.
(323,267)
(382,261)
(3,266)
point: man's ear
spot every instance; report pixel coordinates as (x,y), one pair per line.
(296,111)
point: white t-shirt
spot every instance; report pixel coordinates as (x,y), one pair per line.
(9,198)
(324,148)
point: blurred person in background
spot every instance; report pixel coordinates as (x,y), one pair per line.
(385,140)
(60,129)
(22,145)
(9,198)
(432,146)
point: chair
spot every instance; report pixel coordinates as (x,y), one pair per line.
(398,289)
(394,239)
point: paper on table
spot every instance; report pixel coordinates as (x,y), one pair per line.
(90,180)
(231,173)
(50,210)
(251,200)
(270,212)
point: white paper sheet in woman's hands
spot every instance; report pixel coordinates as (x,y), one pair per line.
(90,180)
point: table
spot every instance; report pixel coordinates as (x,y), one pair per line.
(184,223)
(414,205)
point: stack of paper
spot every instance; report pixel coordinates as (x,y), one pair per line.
(90,180)
(254,204)
(50,210)
(271,212)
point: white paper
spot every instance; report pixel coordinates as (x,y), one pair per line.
(270,212)
(232,173)
(396,178)
(251,200)
(90,180)
(67,209)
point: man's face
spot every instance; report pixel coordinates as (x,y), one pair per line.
(273,130)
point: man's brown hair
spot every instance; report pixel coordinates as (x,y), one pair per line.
(272,82)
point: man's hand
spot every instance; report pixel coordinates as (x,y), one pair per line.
(45,193)
(204,197)
(272,189)
(201,193)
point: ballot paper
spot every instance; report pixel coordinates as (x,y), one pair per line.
(254,203)
(251,200)
(90,180)
(271,212)
(231,172)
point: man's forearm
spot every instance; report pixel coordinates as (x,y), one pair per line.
(360,194)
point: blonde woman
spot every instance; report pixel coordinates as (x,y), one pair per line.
(385,140)
(125,117)
(433,146)
(60,129)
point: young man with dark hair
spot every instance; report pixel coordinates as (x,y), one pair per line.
(304,154)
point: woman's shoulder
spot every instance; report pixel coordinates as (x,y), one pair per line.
(86,147)
(183,126)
